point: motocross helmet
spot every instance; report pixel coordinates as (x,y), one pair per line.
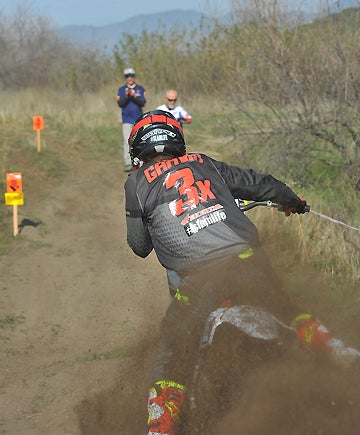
(156,132)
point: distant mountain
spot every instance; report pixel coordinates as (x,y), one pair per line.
(340,5)
(333,8)
(108,36)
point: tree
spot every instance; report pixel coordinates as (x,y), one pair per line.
(304,80)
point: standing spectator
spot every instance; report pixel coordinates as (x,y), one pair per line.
(131,98)
(179,113)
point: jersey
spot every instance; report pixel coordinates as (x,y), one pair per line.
(131,107)
(178,112)
(184,209)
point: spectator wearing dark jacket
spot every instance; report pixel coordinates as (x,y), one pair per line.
(131,98)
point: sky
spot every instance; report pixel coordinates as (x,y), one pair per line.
(104,12)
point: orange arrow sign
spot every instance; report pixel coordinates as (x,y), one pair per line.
(38,122)
(14,182)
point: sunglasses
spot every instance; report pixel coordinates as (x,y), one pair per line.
(172,100)
(129,75)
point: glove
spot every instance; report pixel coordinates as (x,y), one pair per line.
(301,207)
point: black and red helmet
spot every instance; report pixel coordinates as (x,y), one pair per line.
(156,132)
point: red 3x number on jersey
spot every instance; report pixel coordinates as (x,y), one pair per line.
(191,192)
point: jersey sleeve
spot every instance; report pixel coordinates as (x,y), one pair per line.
(121,97)
(138,236)
(140,96)
(250,185)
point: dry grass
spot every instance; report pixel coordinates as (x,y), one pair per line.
(64,108)
(83,121)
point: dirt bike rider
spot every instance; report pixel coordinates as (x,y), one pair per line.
(182,206)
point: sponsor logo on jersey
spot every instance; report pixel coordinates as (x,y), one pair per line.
(203,219)
(189,218)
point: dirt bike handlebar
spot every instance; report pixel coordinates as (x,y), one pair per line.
(269,204)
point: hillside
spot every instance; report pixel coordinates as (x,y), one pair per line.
(79,312)
(111,34)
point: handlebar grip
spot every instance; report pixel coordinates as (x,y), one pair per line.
(282,208)
(245,207)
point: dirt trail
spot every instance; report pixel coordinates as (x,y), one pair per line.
(74,302)
(79,313)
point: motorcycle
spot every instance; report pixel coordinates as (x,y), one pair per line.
(236,341)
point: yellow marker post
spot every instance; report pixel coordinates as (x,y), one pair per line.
(38,125)
(14,196)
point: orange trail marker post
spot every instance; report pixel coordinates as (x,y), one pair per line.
(14,196)
(38,125)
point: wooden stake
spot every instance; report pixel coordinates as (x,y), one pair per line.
(38,141)
(15,220)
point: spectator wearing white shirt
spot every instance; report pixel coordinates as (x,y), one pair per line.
(179,113)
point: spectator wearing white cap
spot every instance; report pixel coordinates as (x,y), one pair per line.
(131,98)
